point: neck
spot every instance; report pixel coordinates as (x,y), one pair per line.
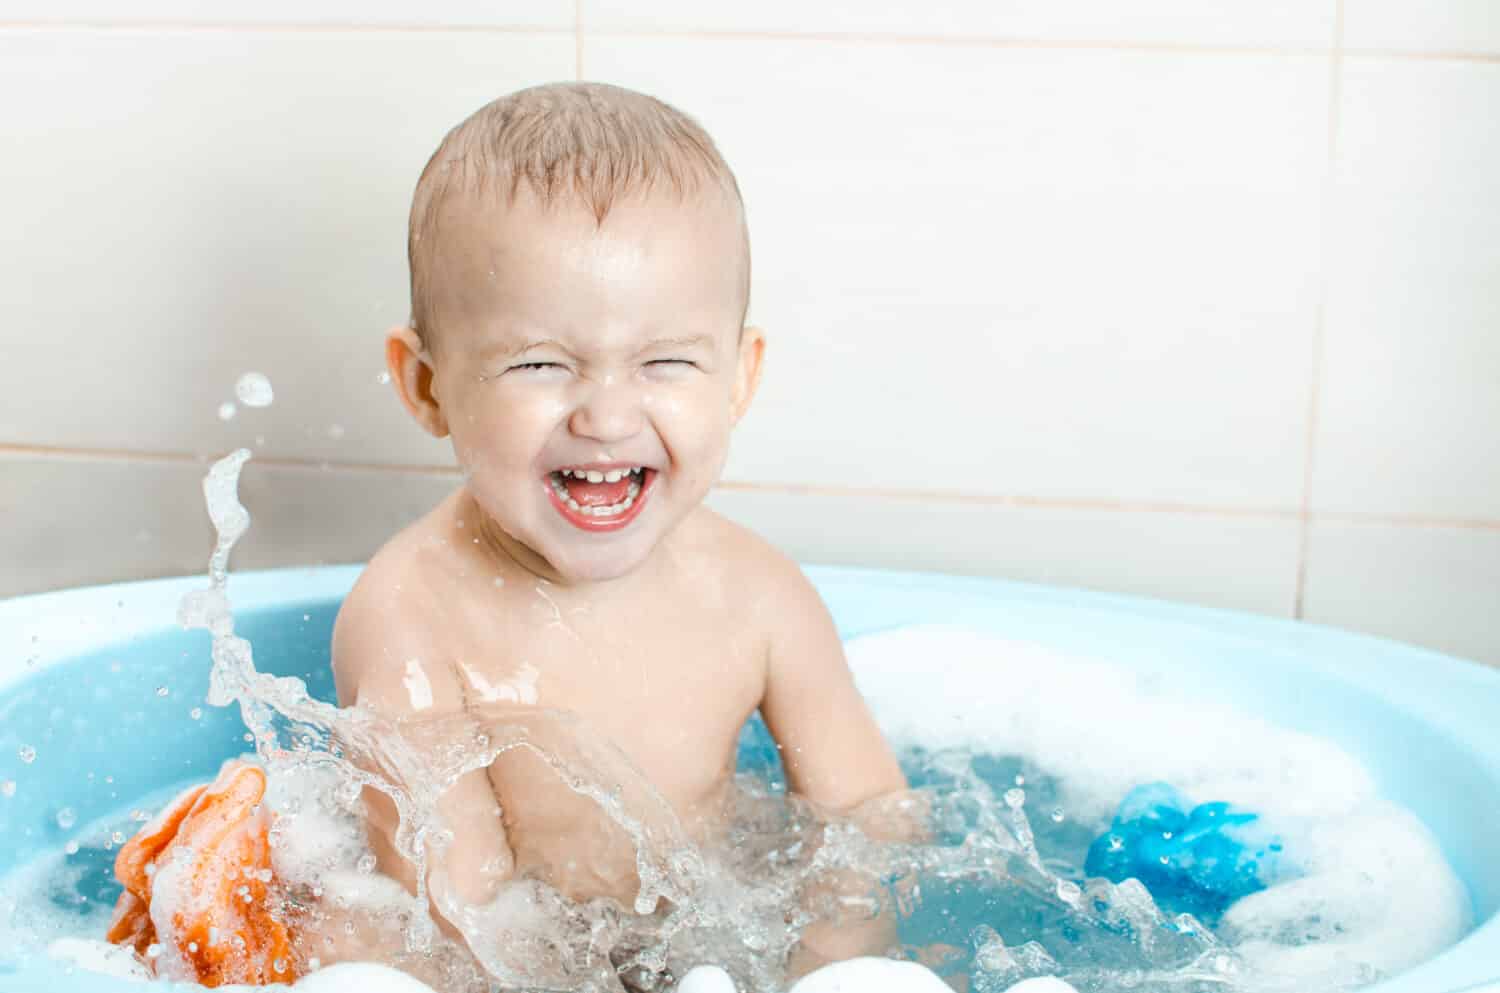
(498,546)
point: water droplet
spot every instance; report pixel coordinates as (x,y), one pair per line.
(153,950)
(118,837)
(139,816)
(383,377)
(366,863)
(27,754)
(162,691)
(227,410)
(254,390)
(1058,816)
(7,788)
(71,848)
(1116,843)
(193,946)
(66,818)
(279,965)
(1015,799)
(196,713)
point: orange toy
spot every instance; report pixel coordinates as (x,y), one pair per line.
(210,849)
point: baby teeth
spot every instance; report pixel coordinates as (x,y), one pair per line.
(613,510)
(599,475)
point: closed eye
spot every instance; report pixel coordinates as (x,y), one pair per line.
(672,362)
(537,365)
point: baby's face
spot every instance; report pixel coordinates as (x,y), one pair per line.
(590,376)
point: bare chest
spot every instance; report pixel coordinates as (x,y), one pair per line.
(668,682)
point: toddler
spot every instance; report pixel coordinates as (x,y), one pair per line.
(580,275)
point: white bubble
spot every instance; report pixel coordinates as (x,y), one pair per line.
(227,410)
(254,390)
(66,818)
(7,787)
(383,378)
(27,754)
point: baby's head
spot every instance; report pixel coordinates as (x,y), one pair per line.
(580,275)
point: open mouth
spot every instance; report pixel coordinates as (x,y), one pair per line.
(600,499)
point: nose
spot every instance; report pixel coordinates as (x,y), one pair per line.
(607,412)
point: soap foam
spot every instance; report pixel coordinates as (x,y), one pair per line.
(1375,894)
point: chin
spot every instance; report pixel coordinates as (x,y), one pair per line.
(600,565)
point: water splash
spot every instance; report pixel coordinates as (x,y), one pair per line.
(976,896)
(254,390)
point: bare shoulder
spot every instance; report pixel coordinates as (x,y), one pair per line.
(766,579)
(388,641)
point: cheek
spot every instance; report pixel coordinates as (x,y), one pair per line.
(693,423)
(505,431)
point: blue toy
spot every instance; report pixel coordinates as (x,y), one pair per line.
(1196,860)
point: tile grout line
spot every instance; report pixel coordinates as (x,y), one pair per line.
(1320,320)
(854,37)
(578,40)
(706,34)
(281,27)
(1014,501)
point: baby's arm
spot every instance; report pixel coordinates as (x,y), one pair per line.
(834,755)
(833,751)
(372,644)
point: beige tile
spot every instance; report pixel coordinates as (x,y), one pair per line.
(76,522)
(531,13)
(1432,586)
(1410,416)
(187,206)
(1471,26)
(1222,22)
(71,522)
(1082,274)
(1243,562)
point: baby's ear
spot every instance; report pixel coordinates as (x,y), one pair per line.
(411,371)
(747,372)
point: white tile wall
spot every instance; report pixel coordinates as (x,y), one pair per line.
(528,13)
(1075,274)
(1042,281)
(190,205)
(1222,22)
(1436,586)
(1469,26)
(95,520)
(1410,414)
(1175,556)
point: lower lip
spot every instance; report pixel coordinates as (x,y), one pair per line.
(588,523)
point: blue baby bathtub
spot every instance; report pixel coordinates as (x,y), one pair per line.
(80,673)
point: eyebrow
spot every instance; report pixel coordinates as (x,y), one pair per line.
(687,341)
(511,351)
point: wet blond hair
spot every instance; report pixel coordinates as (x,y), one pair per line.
(589,142)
